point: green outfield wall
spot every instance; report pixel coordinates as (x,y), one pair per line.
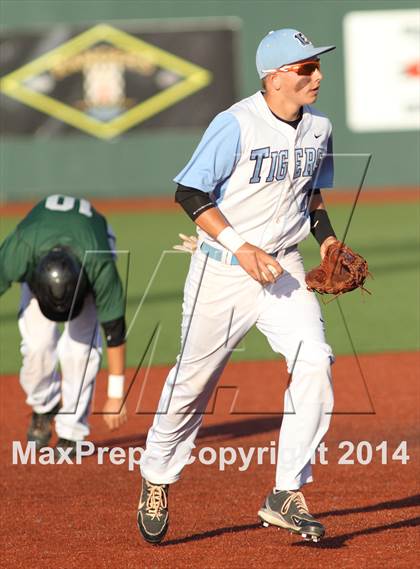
(144,161)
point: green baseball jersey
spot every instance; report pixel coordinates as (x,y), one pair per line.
(73,223)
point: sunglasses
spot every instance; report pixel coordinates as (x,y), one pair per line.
(303,68)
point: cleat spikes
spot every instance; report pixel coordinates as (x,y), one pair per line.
(287,510)
(265,524)
(308,537)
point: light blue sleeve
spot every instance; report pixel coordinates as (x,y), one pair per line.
(323,176)
(216,155)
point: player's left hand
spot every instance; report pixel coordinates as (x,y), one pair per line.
(326,243)
(189,243)
(115,413)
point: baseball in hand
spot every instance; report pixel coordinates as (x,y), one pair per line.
(273,271)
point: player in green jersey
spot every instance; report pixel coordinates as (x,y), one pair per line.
(63,254)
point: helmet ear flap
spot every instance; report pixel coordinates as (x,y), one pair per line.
(60,285)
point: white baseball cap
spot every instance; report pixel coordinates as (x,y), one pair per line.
(283,47)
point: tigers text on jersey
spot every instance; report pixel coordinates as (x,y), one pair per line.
(259,171)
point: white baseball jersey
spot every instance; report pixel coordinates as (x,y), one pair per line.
(259,171)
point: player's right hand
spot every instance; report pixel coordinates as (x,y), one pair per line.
(258,264)
(115,413)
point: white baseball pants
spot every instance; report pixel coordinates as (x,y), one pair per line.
(43,349)
(290,317)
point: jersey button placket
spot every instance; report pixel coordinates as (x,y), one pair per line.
(291,135)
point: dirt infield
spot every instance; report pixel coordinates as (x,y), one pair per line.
(73,516)
(130,205)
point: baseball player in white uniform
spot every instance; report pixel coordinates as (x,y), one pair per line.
(252,187)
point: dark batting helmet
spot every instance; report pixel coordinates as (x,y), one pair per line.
(60,285)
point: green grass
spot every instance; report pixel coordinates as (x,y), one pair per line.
(387,235)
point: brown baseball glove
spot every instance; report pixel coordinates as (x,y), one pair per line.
(340,271)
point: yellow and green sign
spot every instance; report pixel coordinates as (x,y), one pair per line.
(105,81)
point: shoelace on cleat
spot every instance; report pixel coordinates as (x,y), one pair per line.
(156,501)
(299,501)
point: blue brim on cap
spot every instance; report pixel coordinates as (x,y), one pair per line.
(316,51)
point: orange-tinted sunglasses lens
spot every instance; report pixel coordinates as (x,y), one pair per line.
(307,68)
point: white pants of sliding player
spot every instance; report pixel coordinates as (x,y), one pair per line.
(221,303)
(43,348)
